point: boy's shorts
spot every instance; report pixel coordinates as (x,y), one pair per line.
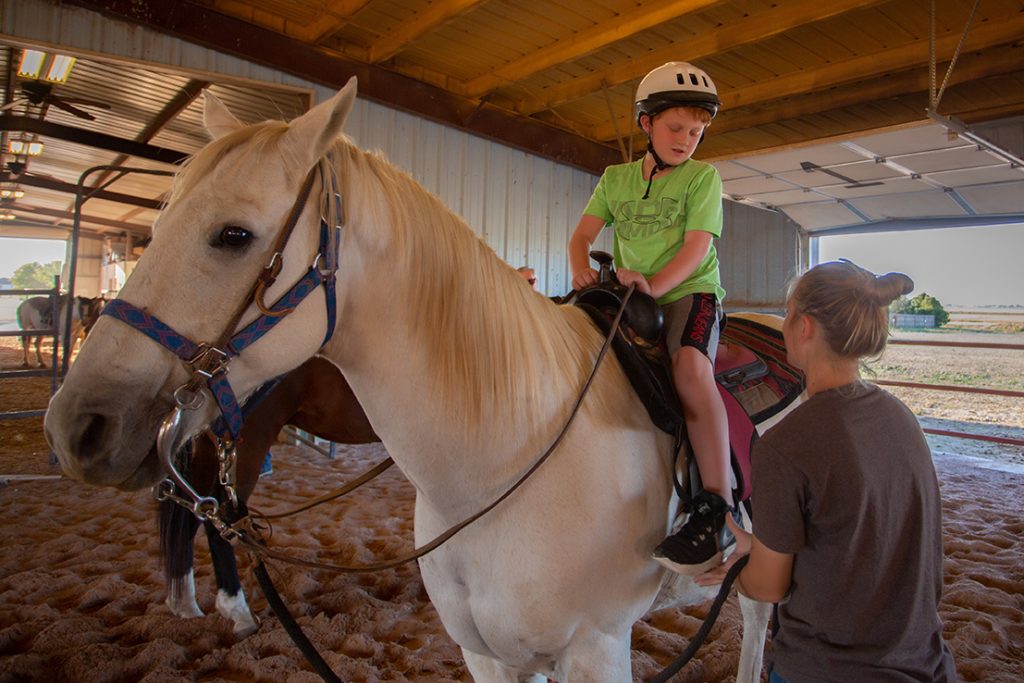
(693,321)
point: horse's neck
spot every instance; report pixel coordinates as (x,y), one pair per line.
(386,358)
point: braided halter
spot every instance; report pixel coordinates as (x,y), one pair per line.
(208,362)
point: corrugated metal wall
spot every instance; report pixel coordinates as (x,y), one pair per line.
(759,251)
(524,206)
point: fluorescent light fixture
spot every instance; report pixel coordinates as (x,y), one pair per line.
(60,68)
(24,148)
(52,68)
(31,63)
(11,193)
(7,216)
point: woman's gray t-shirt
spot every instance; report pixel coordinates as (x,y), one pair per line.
(846,484)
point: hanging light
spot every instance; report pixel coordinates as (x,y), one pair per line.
(32,148)
(11,192)
(37,64)
(7,216)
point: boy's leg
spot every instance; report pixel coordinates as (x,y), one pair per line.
(706,422)
(692,325)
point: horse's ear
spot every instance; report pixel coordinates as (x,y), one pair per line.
(216,117)
(311,135)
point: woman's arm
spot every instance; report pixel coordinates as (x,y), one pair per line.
(768,573)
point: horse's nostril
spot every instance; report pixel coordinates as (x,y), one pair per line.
(91,440)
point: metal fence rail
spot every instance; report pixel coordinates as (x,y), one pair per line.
(963,389)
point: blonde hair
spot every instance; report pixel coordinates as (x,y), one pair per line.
(850,303)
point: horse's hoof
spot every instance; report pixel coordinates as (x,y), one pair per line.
(246,631)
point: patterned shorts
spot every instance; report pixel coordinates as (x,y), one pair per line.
(693,321)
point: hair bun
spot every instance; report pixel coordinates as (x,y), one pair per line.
(889,287)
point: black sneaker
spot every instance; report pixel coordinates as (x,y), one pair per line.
(698,545)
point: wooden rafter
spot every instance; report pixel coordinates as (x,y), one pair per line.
(995,63)
(757,27)
(438,14)
(334,16)
(908,56)
(599,36)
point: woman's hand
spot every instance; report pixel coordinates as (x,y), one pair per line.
(631,277)
(714,577)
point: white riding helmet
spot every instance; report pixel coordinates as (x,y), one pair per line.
(676,84)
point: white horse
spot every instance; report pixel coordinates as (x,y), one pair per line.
(465,373)
(36,313)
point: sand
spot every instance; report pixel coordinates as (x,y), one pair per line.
(81,590)
(81,593)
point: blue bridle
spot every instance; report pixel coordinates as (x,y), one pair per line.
(209,362)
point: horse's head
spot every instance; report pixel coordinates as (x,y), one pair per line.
(88,311)
(209,245)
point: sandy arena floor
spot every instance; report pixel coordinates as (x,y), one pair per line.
(81,592)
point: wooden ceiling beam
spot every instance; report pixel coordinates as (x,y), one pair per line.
(976,67)
(437,15)
(335,15)
(859,69)
(778,18)
(69,217)
(233,36)
(585,42)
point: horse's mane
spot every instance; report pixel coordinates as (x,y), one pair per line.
(498,349)
(496,345)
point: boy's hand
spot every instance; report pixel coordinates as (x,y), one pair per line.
(630,277)
(584,278)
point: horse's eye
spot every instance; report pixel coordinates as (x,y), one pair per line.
(233,236)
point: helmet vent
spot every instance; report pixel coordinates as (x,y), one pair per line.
(679,78)
(693,79)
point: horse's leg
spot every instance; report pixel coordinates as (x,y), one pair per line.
(39,354)
(25,343)
(755,623)
(484,669)
(177,537)
(231,602)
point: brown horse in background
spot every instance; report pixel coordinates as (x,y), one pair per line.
(314,398)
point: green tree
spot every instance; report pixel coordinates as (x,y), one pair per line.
(926,304)
(35,275)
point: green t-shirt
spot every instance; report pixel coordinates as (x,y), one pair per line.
(649,232)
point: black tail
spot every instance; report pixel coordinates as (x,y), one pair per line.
(178,528)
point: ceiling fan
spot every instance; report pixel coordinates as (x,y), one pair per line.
(40,93)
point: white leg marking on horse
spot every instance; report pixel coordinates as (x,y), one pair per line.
(181,597)
(237,610)
(755,623)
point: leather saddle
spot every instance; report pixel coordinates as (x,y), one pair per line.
(753,377)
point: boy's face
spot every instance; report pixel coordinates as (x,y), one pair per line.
(674,133)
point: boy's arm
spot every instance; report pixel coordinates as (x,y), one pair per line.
(696,244)
(583,237)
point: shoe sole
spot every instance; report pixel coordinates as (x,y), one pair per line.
(690,569)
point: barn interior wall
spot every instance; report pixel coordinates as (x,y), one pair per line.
(524,206)
(759,253)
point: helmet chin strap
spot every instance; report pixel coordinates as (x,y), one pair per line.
(659,165)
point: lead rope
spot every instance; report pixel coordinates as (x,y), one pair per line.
(705,628)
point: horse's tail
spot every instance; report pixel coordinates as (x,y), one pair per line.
(178,528)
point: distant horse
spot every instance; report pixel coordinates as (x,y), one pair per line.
(314,397)
(36,313)
(465,373)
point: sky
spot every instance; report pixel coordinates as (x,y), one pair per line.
(16,252)
(976,266)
